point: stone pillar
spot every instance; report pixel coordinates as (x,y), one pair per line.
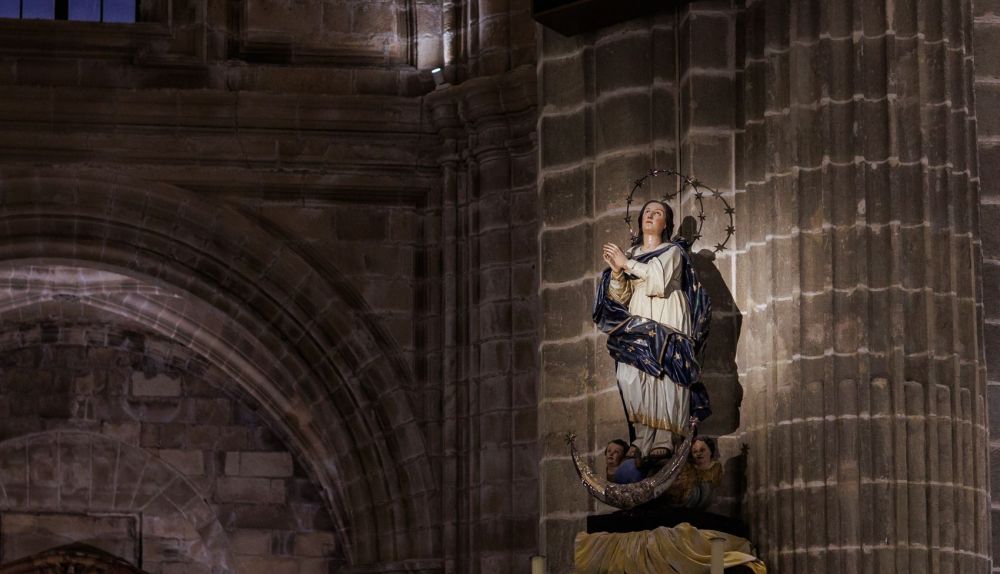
(861,350)
(485,311)
(487,37)
(987,35)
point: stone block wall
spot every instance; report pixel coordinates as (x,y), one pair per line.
(374,246)
(385,47)
(710,120)
(396,273)
(276,142)
(803,107)
(660,92)
(487,37)
(154,400)
(987,45)
(866,376)
(366,276)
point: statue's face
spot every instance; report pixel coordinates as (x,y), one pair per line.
(614,454)
(701,454)
(654,219)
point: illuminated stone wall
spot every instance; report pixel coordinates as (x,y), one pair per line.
(396,276)
(657,92)
(987,42)
(845,134)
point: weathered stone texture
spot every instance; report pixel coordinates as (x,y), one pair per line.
(617,118)
(24,534)
(483,314)
(987,42)
(847,293)
(394,289)
(80,475)
(871,308)
(290,235)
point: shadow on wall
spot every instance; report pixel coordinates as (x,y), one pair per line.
(719,359)
(719,372)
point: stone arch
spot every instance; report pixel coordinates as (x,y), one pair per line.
(296,336)
(78,558)
(74,472)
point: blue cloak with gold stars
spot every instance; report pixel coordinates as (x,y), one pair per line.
(656,348)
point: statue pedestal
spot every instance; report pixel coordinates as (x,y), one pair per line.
(663,540)
(642,518)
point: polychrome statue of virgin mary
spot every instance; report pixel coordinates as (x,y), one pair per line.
(656,314)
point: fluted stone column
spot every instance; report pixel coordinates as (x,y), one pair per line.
(987,36)
(861,351)
(482,320)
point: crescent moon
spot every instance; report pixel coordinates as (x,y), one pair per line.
(636,493)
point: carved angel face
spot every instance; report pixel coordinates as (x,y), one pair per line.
(701,454)
(614,454)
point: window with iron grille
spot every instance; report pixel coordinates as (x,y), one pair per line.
(82,10)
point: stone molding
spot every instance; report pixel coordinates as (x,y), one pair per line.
(47,38)
(273,147)
(194,111)
(283,48)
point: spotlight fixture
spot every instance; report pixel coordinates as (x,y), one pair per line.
(438,75)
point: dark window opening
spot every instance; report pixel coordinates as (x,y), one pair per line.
(80,10)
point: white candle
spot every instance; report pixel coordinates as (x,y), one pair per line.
(537,565)
(718,553)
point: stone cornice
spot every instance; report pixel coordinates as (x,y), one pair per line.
(48,38)
(192,110)
(197,130)
(509,98)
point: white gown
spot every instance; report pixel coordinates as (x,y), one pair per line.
(657,408)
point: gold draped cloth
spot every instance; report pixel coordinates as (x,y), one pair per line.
(682,548)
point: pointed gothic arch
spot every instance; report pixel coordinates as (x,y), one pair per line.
(70,559)
(293,333)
